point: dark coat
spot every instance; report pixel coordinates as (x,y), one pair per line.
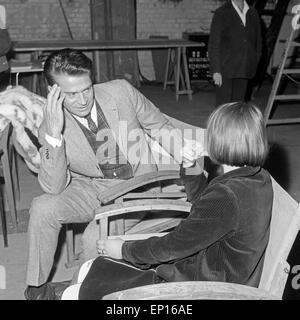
(224,237)
(234,50)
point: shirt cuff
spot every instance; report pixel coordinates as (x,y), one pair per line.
(53,141)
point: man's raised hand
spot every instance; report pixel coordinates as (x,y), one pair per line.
(53,112)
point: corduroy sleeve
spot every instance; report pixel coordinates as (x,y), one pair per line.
(212,217)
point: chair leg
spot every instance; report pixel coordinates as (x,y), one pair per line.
(9,186)
(70,245)
(15,176)
(72,258)
(3,222)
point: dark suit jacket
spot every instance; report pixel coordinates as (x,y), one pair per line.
(224,237)
(234,50)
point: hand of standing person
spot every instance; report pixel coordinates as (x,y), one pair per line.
(53,112)
(217,77)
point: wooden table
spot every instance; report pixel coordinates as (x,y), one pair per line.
(180,66)
(34,67)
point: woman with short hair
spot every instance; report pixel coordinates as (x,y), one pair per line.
(225,236)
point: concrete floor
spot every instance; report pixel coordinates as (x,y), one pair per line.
(282,164)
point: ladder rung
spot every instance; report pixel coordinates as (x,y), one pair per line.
(295,44)
(287,97)
(283,121)
(291,71)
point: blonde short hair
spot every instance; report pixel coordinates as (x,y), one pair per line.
(236,135)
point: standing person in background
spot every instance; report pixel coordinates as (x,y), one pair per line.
(234,49)
(5,45)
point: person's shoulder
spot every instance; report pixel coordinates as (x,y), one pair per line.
(117,86)
(253,12)
(225,7)
(111,84)
(223,11)
(115,89)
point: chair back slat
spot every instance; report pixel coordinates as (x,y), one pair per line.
(284,227)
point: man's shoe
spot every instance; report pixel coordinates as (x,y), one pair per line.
(59,288)
(43,292)
(47,291)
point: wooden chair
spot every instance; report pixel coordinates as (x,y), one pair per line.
(284,228)
(127,202)
(285,224)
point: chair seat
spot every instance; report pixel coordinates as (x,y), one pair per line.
(192,290)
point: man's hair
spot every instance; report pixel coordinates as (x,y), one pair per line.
(236,135)
(66,61)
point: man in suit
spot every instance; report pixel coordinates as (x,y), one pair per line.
(92,137)
(234,49)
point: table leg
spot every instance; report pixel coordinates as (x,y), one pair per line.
(186,73)
(177,72)
(97,66)
(34,82)
(167,68)
(136,70)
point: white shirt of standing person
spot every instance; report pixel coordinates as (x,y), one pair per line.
(2,17)
(243,13)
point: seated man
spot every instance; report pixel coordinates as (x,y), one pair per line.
(92,137)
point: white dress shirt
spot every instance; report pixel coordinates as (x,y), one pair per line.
(57,142)
(84,122)
(243,13)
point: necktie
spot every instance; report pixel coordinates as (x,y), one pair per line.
(91,124)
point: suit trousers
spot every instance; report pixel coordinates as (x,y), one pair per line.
(49,212)
(232,90)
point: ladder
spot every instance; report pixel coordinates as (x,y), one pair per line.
(282,70)
(277,15)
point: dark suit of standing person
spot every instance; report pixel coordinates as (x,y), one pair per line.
(234,49)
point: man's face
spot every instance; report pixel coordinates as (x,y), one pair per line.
(79,93)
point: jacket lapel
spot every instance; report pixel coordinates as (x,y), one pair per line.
(110,110)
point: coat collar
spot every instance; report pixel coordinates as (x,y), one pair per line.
(237,173)
(229,5)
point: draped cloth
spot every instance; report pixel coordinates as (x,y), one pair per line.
(24,110)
